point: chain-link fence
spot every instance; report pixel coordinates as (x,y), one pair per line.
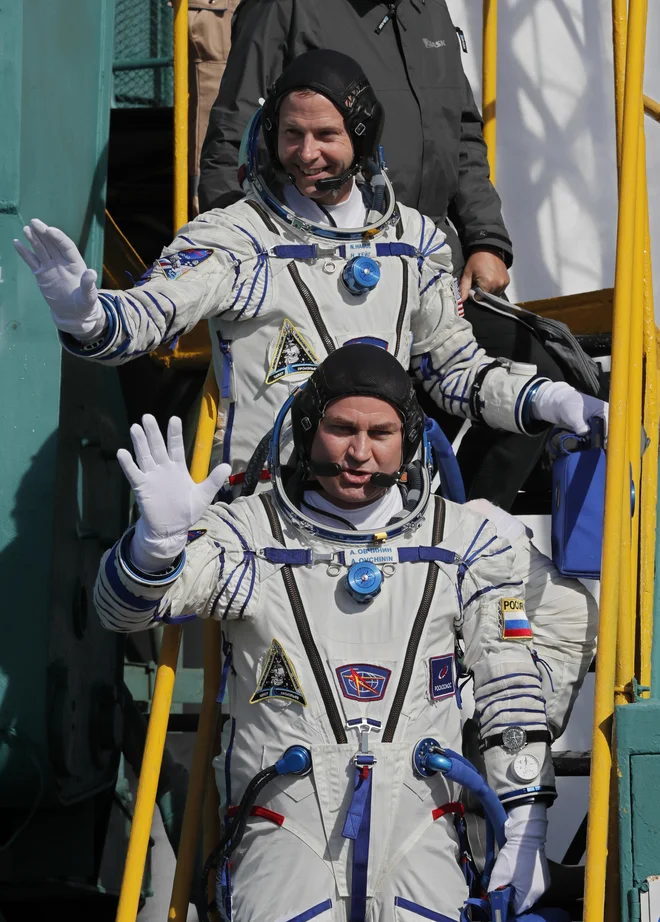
(142,68)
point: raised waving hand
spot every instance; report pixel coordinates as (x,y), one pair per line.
(170,501)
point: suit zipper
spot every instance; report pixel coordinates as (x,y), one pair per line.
(404,305)
(312,308)
(417,628)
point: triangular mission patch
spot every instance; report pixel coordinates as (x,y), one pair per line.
(292,355)
(278,678)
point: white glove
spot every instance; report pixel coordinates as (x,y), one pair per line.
(169,499)
(522,864)
(66,283)
(559,403)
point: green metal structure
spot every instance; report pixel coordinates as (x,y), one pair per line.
(61,493)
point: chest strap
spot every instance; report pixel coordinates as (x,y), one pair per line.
(304,629)
(417,629)
(306,557)
(314,251)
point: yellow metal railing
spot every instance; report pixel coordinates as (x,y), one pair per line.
(630,401)
(192,816)
(489,82)
(161,703)
(180,114)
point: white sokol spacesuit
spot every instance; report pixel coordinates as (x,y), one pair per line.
(282,287)
(308,663)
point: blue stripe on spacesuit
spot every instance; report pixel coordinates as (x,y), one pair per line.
(485,726)
(142,309)
(226,444)
(230,746)
(474,540)
(476,555)
(246,565)
(157,305)
(487,589)
(187,239)
(255,279)
(435,278)
(420,910)
(235,301)
(495,553)
(534,697)
(237,263)
(511,675)
(172,318)
(480,698)
(110,614)
(313,912)
(130,600)
(226,584)
(263,293)
(121,348)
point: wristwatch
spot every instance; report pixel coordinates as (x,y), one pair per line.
(513,739)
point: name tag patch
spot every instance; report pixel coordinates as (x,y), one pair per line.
(515,625)
(441,673)
(378,555)
(362,681)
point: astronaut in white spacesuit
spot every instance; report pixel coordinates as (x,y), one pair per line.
(346,593)
(318,254)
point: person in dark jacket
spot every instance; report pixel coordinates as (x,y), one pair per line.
(435,153)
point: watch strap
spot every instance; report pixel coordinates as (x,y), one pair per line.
(532,736)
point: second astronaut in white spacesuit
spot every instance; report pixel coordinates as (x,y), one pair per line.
(345,593)
(318,254)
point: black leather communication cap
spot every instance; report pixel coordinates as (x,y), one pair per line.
(362,369)
(341,79)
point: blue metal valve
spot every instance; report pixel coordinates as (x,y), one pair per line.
(364,581)
(361,274)
(296,761)
(427,759)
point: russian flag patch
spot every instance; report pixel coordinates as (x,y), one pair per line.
(515,625)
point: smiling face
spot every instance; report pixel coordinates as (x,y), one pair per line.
(313,144)
(362,435)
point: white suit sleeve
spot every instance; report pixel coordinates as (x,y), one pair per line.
(562,613)
(219,575)
(215,265)
(499,652)
(446,357)
(564,619)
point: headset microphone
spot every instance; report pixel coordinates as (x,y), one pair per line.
(330,469)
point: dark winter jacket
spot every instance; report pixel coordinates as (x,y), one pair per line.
(411,53)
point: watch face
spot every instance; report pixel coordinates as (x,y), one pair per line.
(514,738)
(525,767)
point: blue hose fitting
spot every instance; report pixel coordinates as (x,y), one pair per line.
(364,581)
(296,760)
(428,758)
(361,274)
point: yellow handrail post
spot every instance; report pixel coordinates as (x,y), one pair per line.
(619,38)
(180,114)
(601,756)
(652,108)
(190,829)
(625,669)
(145,801)
(649,476)
(489,82)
